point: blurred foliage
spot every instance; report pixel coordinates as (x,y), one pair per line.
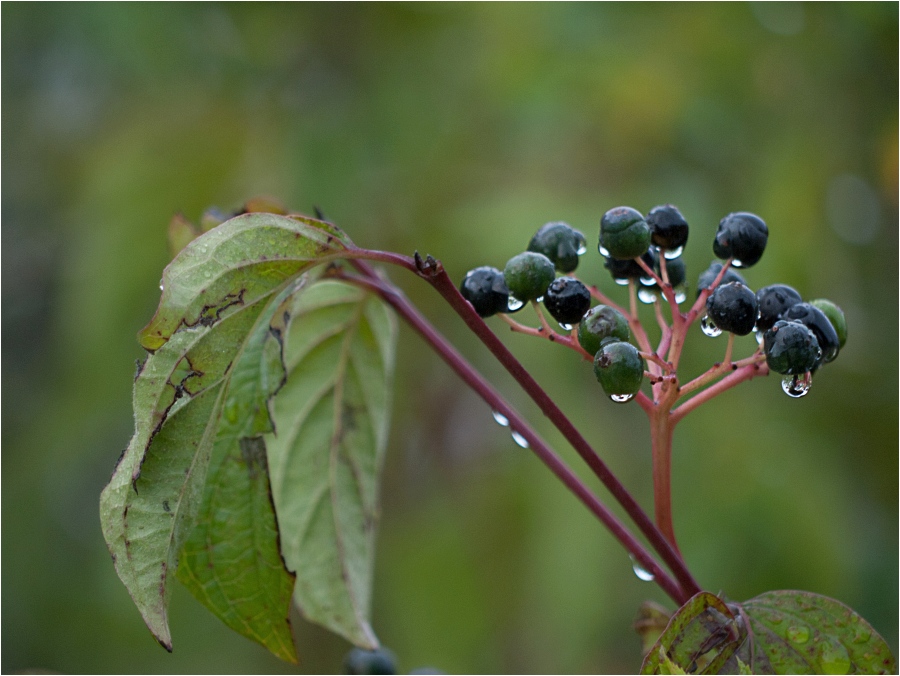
(456,130)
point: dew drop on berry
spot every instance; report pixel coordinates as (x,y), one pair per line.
(603,250)
(539,299)
(672,254)
(621,281)
(708,328)
(582,246)
(760,337)
(501,419)
(565,327)
(519,439)
(798,385)
(735,263)
(680,297)
(514,304)
(621,399)
(646,296)
(640,572)
(648,281)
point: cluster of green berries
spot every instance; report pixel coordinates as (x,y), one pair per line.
(797,337)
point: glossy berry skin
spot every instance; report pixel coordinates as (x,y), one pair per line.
(528,275)
(835,316)
(624,233)
(619,368)
(816,321)
(675,269)
(790,348)
(741,236)
(486,290)
(668,229)
(773,301)
(560,243)
(567,300)
(628,269)
(732,307)
(709,276)
(599,323)
(380,661)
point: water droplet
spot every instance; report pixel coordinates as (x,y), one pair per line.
(835,659)
(161,287)
(501,419)
(207,274)
(582,246)
(735,263)
(642,574)
(621,398)
(514,304)
(708,328)
(760,337)
(621,281)
(646,296)
(565,327)
(672,254)
(648,281)
(519,439)
(470,273)
(680,297)
(796,386)
(862,636)
(539,299)
(798,634)
(603,250)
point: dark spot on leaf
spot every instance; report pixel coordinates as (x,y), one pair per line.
(139,367)
(166,506)
(253,454)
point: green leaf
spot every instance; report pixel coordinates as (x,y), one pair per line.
(779,632)
(325,460)
(650,623)
(797,632)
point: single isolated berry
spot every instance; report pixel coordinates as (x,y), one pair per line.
(790,348)
(709,276)
(774,301)
(486,290)
(567,300)
(619,369)
(528,275)
(624,269)
(817,322)
(732,307)
(561,243)
(741,236)
(835,316)
(599,323)
(668,229)
(624,233)
(379,661)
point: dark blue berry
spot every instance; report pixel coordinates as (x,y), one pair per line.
(773,301)
(624,233)
(629,269)
(732,307)
(560,243)
(817,322)
(668,229)
(709,276)
(741,236)
(528,275)
(567,300)
(835,316)
(380,661)
(790,348)
(486,290)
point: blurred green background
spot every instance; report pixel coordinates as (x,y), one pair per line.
(456,130)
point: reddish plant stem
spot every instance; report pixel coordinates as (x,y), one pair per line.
(746,372)
(661,429)
(517,423)
(434,273)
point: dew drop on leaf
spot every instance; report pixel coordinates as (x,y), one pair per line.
(799,634)
(835,659)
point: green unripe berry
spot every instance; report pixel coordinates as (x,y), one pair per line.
(619,368)
(835,316)
(600,322)
(528,275)
(624,233)
(559,242)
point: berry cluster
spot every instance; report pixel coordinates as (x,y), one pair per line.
(796,338)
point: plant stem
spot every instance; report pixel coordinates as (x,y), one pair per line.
(661,429)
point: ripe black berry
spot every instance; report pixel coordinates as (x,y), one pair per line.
(599,323)
(816,321)
(773,301)
(528,275)
(486,290)
(668,229)
(624,233)
(790,348)
(675,270)
(380,661)
(835,316)
(709,276)
(732,307)
(629,269)
(561,243)
(619,369)
(741,236)
(567,300)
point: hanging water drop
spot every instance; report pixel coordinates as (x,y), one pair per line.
(621,398)
(565,327)
(680,297)
(514,304)
(539,299)
(708,328)
(603,250)
(519,439)
(646,296)
(642,574)
(161,287)
(621,281)
(501,419)
(735,263)
(648,281)
(797,386)
(582,246)
(672,254)
(760,337)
